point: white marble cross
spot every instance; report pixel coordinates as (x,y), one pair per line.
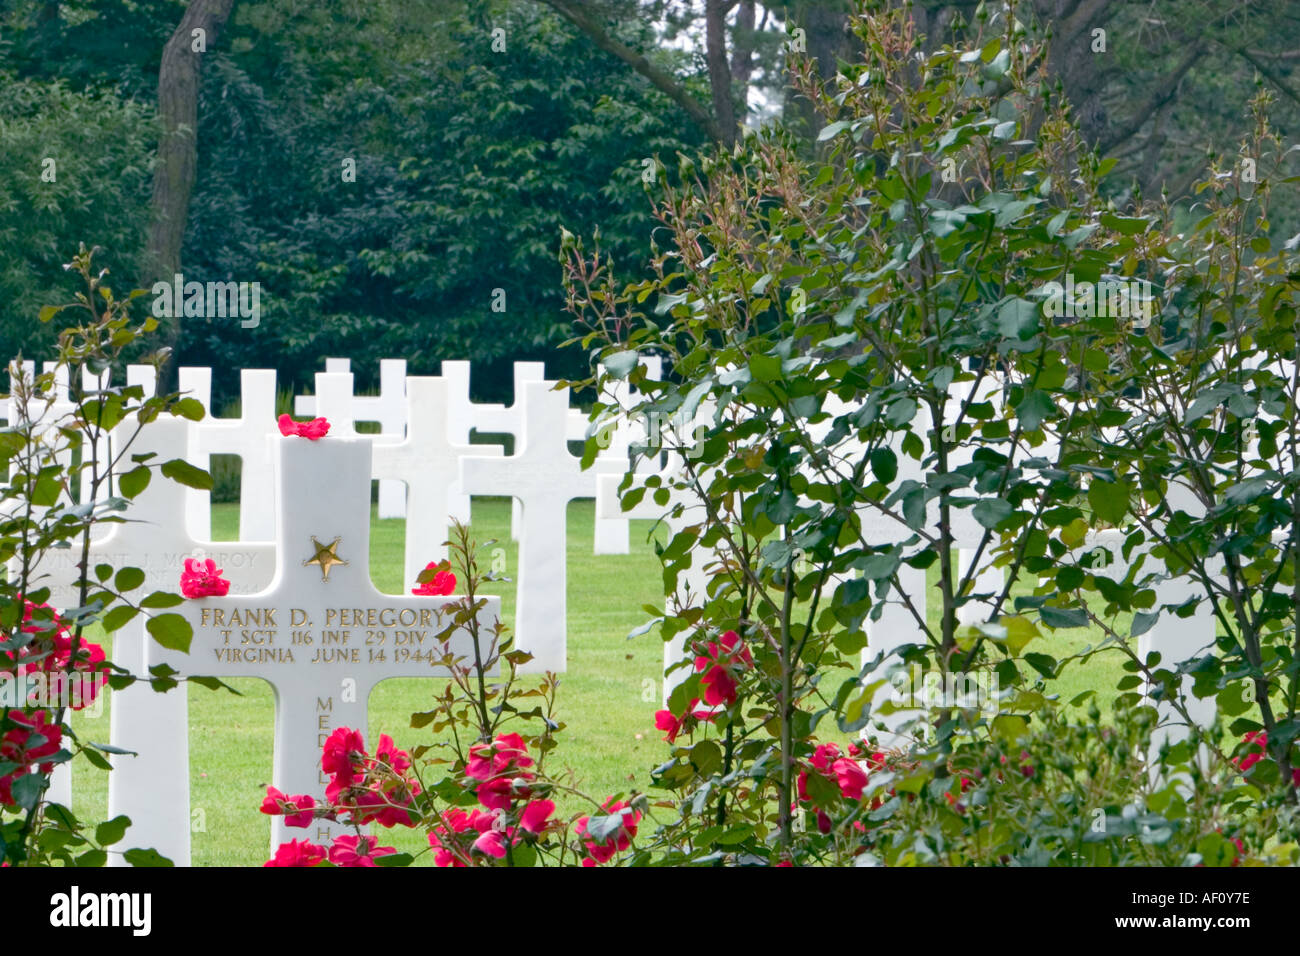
(460,423)
(388,408)
(545,477)
(897,626)
(148,788)
(988,581)
(509,420)
(1177,639)
(621,432)
(196,383)
(250,437)
(320,634)
(427,463)
(692,584)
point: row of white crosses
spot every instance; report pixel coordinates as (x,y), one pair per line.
(319,633)
(1177,639)
(542,475)
(441,469)
(323,640)
(396,415)
(153,787)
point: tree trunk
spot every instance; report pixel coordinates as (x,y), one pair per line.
(742,56)
(173,180)
(823,23)
(715,37)
(581,16)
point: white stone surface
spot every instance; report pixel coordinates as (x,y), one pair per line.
(426,464)
(247,436)
(509,420)
(545,477)
(388,408)
(196,383)
(322,643)
(149,788)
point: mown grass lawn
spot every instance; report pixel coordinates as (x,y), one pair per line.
(607,697)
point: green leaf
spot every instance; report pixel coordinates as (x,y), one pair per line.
(128,579)
(150,857)
(1143,622)
(118,616)
(190,408)
(834,129)
(706,756)
(998,68)
(187,474)
(1124,225)
(1017,319)
(884,465)
(91,858)
(134,481)
(1056,617)
(765,368)
(1109,500)
(111,831)
(1010,727)
(989,511)
(161,599)
(603,828)
(171,631)
(620,364)
(1034,409)
(735,835)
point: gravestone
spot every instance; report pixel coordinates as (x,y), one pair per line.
(621,433)
(545,477)
(692,584)
(1176,639)
(427,463)
(333,402)
(509,420)
(968,533)
(196,383)
(149,788)
(388,408)
(460,423)
(320,634)
(250,437)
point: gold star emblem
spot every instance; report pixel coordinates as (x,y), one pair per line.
(326,556)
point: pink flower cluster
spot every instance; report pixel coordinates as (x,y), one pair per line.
(504,788)
(602,851)
(721,663)
(1259,739)
(845,771)
(345,851)
(674,726)
(370,789)
(202,579)
(363,789)
(49,653)
(442,583)
(313,430)
(29,742)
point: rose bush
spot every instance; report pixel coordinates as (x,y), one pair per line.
(54,495)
